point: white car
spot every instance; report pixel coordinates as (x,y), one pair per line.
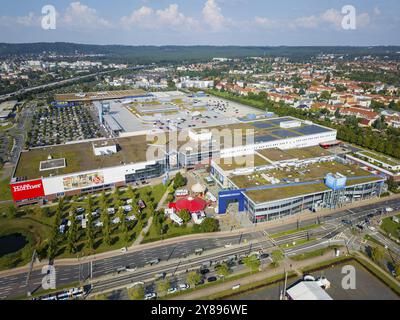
(129,201)
(127,208)
(61,229)
(111,210)
(98,223)
(184,286)
(172,290)
(131,218)
(371,228)
(116,220)
(79,217)
(80,210)
(150,296)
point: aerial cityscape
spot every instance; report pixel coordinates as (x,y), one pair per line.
(211,150)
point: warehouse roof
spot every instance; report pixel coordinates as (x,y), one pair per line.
(80,157)
(104,95)
(307,290)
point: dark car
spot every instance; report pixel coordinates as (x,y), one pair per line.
(204,271)
(200,282)
(264,256)
(212,279)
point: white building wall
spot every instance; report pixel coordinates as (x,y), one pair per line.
(53,185)
(288,143)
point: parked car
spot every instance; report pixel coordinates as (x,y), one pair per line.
(150,296)
(204,271)
(184,286)
(172,290)
(212,279)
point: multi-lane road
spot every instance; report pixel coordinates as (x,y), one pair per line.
(178,257)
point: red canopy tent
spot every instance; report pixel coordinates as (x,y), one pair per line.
(192,205)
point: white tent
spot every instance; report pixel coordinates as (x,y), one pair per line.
(198,188)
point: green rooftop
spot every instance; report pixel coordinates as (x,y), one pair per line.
(80,157)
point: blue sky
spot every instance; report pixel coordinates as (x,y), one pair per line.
(203,22)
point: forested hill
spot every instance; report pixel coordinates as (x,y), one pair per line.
(145,54)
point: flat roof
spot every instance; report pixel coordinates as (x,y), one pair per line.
(7,107)
(80,157)
(269,129)
(380,157)
(241,162)
(275,154)
(307,290)
(298,181)
(101,95)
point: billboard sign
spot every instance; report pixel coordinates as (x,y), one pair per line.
(27,190)
(83,181)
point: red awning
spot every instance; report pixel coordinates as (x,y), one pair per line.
(194,205)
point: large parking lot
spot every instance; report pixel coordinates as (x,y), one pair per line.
(52,125)
(218,112)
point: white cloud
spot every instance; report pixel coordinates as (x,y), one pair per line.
(170,17)
(264,23)
(377,11)
(331,18)
(80,16)
(30,20)
(213,17)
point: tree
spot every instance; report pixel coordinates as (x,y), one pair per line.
(11,211)
(179,180)
(277,257)
(72,234)
(105,218)
(163,285)
(123,227)
(136,292)
(89,231)
(185,215)
(337,113)
(325,95)
(193,278)
(222,269)
(252,262)
(116,195)
(209,225)
(377,253)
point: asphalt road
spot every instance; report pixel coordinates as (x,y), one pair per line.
(13,286)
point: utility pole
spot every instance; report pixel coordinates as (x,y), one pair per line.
(29,273)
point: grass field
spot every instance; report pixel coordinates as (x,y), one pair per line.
(5,191)
(389,226)
(285,233)
(36,226)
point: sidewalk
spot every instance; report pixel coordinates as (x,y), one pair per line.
(296,266)
(259,227)
(139,239)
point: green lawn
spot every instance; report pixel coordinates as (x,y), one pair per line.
(5,191)
(313,254)
(389,226)
(34,231)
(173,231)
(296,243)
(285,233)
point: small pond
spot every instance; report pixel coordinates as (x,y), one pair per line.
(12,243)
